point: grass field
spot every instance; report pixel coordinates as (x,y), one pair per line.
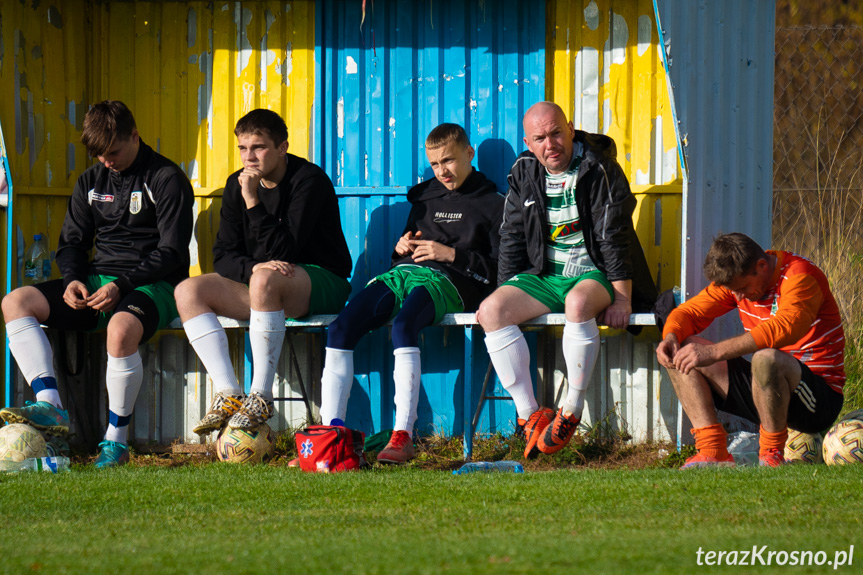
(218,518)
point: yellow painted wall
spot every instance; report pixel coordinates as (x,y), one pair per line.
(606,72)
(188,71)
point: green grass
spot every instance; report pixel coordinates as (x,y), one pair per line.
(218,518)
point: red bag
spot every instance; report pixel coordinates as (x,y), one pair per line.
(330,448)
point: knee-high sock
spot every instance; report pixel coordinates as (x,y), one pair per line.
(32,351)
(336,383)
(580,350)
(266,336)
(406,378)
(123,380)
(511,359)
(209,341)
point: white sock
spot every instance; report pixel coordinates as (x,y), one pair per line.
(266,336)
(406,378)
(510,356)
(118,434)
(336,383)
(32,351)
(580,350)
(123,380)
(209,341)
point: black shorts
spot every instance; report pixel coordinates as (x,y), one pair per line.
(814,405)
(63,317)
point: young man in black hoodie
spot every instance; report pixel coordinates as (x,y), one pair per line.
(135,206)
(567,245)
(444,262)
(280,252)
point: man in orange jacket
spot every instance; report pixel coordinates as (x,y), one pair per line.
(793,331)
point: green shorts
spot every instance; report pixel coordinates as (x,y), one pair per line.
(401,280)
(551,290)
(329,291)
(162,294)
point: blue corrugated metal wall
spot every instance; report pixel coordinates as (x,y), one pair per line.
(380,88)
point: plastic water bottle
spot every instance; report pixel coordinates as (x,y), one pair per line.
(743,446)
(37,262)
(49,464)
(489,467)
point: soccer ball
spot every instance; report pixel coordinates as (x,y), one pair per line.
(246,445)
(844,443)
(856,414)
(803,447)
(19,441)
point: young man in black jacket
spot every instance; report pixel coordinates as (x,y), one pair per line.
(135,206)
(444,262)
(280,252)
(567,244)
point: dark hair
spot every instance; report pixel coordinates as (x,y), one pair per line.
(731,256)
(263,122)
(444,134)
(105,123)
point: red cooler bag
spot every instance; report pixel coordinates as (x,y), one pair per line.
(330,448)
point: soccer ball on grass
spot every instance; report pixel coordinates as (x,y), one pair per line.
(803,447)
(844,443)
(19,441)
(246,445)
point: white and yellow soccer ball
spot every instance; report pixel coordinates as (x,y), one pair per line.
(246,445)
(803,447)
(19,441)
(844,443)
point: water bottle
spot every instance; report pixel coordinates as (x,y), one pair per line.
(49,464)
(489,467)
(37,262)
(743,446)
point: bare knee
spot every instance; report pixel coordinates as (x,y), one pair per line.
(266,285)
(191,297)
(124,334)
(24,302)
(771,367)
(578,308)
(491,314)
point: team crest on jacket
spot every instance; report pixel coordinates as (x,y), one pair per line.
(135,202)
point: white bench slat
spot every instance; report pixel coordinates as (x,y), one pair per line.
(463,319)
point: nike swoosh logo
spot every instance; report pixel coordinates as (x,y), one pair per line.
(528,203)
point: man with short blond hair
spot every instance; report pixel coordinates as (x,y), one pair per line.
(135,208)
(567,245)
(444,262)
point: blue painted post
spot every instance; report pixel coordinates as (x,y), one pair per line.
(10,227)
(467,409)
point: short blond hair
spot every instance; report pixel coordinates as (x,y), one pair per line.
(445,134)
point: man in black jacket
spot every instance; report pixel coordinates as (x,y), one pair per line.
(444,262)
(135,206)
(567,244)
(280,251)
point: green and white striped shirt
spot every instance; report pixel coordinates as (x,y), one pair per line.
(564,246)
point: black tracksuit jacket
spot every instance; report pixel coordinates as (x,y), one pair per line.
(296,222)
(466,219)
(140,221)
(605,205)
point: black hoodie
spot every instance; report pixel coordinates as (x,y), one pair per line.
(296,222)
(605,206)
(140,221)
(467,219)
